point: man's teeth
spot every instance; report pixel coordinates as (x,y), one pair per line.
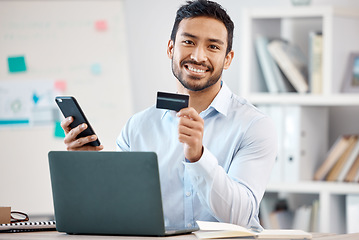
(196,70)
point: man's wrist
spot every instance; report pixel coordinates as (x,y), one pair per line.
(193,160)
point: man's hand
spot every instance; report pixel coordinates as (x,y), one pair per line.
(190,133)
(74,144)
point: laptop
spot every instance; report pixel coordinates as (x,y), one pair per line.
(110,193)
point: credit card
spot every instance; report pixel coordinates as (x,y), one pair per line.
(172,101)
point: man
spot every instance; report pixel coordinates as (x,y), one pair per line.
(215,156)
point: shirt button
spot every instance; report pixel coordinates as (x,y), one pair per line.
(189,225)
(188,194)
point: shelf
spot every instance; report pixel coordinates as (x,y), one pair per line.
(340,38)
(315,187)
(305,99)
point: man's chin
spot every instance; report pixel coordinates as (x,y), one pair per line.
(194,87)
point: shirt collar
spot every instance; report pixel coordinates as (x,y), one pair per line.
(220,103)
(167,112)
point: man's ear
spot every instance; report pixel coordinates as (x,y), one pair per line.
(228,59)
(170,46)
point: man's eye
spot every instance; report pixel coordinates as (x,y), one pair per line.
(187,42)
(214,47)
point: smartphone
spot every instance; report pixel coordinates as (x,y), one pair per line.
(69,107)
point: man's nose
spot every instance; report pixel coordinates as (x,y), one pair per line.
(199,54)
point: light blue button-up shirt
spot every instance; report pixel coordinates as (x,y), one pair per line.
(228,182)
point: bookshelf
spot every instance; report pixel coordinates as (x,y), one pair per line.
(331,196)
(340,38)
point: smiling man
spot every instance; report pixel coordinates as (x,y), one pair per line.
(215,157)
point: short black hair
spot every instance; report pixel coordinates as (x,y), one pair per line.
(204,8)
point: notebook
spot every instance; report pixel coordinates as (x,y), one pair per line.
(115,193)
(27,226)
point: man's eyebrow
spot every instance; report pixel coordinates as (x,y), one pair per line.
(189,35)
(214,40)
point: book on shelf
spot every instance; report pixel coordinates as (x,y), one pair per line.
(213,230)
(302,217)
(336,150)
(353,171)
(338,166)
(305,217)
(315,76)
(356,178)
(266,207)
(292,62)
(349,162)
(282,219)
(273,77)
(314,218)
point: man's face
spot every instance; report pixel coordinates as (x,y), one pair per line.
(199,53)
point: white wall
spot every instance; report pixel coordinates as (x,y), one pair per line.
(60,42)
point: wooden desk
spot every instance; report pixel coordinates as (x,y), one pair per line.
(54,235)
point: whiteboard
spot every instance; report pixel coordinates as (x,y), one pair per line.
(81,44)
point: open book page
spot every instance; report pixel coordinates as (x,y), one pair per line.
(212,230)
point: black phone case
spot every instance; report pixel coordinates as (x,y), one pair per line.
(69,107)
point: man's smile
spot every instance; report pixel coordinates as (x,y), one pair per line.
(196,69)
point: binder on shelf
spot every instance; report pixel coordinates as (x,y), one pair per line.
(315,76)
(337,149)
(333,174)
(276,113)
(275,80)
(304,141)
(352,213)
(292,62)
(350,161)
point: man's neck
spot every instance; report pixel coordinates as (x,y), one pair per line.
(200,100)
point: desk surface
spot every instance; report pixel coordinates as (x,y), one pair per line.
(50,235)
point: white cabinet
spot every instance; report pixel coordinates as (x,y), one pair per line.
(340,28)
